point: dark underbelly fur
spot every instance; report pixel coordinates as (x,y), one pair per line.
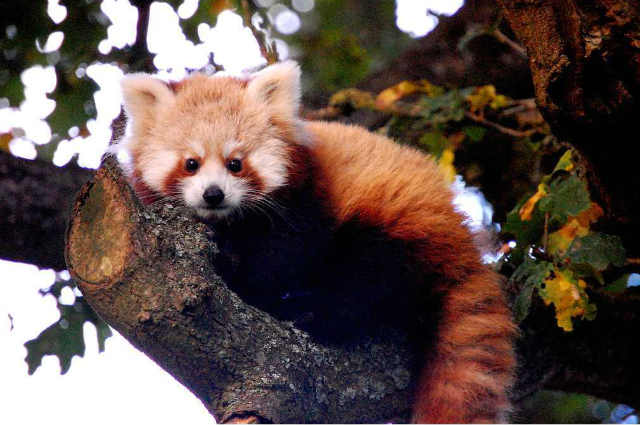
(338,284)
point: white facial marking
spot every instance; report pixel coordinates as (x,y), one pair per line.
(213,173)
(154,168)
(269,161)
(197,148)
(229,147)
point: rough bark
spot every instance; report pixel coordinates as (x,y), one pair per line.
(148,274)
(35,198)
(585,61)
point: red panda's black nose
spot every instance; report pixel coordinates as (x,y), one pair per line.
(213,195)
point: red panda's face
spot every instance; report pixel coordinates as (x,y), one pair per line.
(235,175)
(218,144)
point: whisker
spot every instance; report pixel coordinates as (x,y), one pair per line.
(266,205)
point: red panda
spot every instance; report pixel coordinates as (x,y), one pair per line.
(333,205)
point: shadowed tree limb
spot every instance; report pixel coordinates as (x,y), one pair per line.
(148,274)
(35,200)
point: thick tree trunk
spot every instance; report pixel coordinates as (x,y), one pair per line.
(585,61)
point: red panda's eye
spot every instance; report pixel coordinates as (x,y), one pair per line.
(234,165)
(191,165)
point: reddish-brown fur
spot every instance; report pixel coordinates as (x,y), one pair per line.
(172,181)
(400,191)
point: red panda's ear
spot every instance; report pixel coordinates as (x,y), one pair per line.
(143,95)
(278,86)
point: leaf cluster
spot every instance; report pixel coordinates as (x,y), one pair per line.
(558,253)
(437,119)
(64,338)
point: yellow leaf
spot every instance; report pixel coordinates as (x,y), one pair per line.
(500,101)
(354,97)
(560,240)
(575,227)
(527,209)
(590,215)
(446,164)
(565,162)
(5,138)
(486,95)
(388,96)
(568,296)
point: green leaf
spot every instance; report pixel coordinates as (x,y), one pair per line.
(522,304)
(435,142)
(584,270)
(567,197)
(597,250)
(565,162)
(619,285)
(13,90)
(65,338)
(444,108)
(73,107)
(474,132)
(103,332)
(525,232)
(531,273)
(590,311)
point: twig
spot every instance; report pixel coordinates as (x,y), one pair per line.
(519,106)
(268,51)
(413,110)
(633,261)
(500,128)
(499,35)
(216,66)
(545,238)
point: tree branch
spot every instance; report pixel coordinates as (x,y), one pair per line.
(148,274)
(35,198)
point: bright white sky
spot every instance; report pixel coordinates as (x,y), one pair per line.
(121,384)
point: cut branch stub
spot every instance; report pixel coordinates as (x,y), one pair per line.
(147,272)
(100,238)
